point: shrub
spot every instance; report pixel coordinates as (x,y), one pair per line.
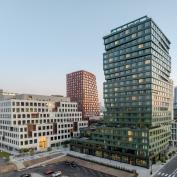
(4,155)
(173,152)
(49,149)
(31,151)
(166,157)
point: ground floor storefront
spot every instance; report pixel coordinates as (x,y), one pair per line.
(100,151)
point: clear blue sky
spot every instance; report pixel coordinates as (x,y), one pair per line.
(43,40)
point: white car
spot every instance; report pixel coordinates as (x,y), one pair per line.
(56,174)
(43,165)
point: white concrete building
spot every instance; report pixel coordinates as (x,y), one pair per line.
(37,121)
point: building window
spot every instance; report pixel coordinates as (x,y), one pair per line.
(147,24)
(147,61)
(140,46)
(134,35)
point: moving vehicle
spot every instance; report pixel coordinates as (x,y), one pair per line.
(57,173)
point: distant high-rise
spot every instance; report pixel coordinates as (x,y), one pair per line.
(82,88)
(137,96)
(175,104)
(175,97)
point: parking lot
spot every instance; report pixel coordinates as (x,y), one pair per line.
(67,170)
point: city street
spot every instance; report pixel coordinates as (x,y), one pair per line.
(169,170)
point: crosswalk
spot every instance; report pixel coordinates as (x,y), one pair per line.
(165,174)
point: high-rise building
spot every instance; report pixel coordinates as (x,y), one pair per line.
(175,104)
(137,96)
(82,88)
(175,96)
(37,121)
(173,140)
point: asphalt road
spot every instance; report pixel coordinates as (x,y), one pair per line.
(169,169)
(67,170)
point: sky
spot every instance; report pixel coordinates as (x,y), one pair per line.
(43,40)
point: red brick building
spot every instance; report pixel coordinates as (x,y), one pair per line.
(82,88)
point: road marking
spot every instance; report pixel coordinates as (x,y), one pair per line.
(166,175)
(174,173)
(159,173)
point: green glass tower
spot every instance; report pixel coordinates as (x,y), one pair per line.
(137,96)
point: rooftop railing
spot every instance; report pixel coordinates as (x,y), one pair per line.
(130,24)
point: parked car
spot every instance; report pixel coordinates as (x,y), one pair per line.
(26,175)
(48,172)
(67,162)
(56,174)
(73,164)
(43,165)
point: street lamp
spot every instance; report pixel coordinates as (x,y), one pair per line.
(150,162)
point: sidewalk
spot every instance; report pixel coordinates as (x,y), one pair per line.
(143,172)
(46,161)
(35,160)
(36,156)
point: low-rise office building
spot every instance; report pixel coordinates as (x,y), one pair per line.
(37,121)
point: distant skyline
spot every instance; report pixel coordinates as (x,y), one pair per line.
(41,41)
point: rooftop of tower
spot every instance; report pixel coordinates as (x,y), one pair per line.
(133,23)
(144,18)
(81,71)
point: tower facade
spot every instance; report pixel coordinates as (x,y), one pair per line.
(137,96)
(82,88)
(138,89)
